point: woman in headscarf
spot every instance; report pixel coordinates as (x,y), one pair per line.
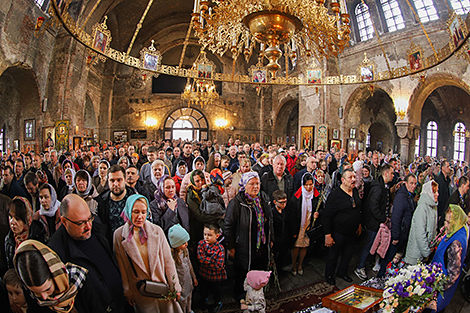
(300,216)
(49,213)
(100,181)
(123,162)
(151,183)
(214,161)
(68,177)
(58,287)
(181,170)
(93,167)
(245,167)
(451,252)
(198,164)
(85,189)
(142,252)
(167,209)
(249,229)
(22,227)
(423,224)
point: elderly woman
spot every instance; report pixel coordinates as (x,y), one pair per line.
(181,171)
(22,227)
(93,167)
(423,224)
(49,213)
(451,252)
(57,286)
(249,229)
(167,209)
(85,189)
(142,252)
(100,181)
(245,167)
(151,183)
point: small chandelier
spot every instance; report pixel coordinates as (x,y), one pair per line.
(303,26)
(201,90)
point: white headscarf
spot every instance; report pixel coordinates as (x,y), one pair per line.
(306,199)
(152,174)
(427,189)
(72,171)
(55,204)
(88,187)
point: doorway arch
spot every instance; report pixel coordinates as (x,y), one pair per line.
(287,122)
(187,124)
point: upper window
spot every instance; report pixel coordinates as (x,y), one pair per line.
(417,145)
(426,10)
(368,140)
(431,145)
(392,15)
(2,147)
(460,6)
(364,22)
(459,141)
(43,4)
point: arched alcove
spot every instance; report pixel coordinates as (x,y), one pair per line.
(286,124)
(89,114)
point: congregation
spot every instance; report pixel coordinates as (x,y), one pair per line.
(85,230)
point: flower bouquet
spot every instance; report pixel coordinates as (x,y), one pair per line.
(413,287)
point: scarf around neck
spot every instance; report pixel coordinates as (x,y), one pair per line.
(260,234)
(127,217)
(55,204)
(307,197)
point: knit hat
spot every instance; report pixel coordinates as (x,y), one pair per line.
(177,236)
(257,279)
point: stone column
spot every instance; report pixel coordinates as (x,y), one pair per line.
(406,132)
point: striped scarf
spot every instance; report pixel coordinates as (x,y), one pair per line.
(260,234)
(68,279)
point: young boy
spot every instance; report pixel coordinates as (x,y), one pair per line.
(224,162)
(211,256)
(15,292)
(280,247)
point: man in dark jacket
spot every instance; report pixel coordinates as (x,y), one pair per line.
(82,241)
(186,156)
(111,202)
(443,180)
(458,197)
(403,209)
(278,179)
(342,225)
(10,187)
(376,210)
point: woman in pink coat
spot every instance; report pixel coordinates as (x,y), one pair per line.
(145,245)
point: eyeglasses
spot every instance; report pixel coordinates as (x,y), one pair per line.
(353,203)
(81,223)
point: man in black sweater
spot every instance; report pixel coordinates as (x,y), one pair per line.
(341,223)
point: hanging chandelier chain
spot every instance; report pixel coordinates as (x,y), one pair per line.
(90,14)
(185,44)
(139,26)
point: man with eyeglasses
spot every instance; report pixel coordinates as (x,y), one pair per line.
(342,225)
(82,240)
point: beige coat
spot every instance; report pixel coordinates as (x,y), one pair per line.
(162,267)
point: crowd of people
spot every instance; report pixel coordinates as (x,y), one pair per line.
(124,227)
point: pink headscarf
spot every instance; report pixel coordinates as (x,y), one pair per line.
(257,279)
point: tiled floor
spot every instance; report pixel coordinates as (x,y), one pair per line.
(314,266)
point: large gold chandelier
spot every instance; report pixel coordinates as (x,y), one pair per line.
(302,26)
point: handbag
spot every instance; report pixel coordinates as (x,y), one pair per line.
(149,288)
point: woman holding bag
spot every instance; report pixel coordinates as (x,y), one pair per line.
(143,253)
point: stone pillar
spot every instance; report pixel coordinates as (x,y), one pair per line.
(407,133)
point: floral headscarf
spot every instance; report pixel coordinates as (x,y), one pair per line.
(127,216)
(68,279)
(55,204)
(246,177)
(459,220)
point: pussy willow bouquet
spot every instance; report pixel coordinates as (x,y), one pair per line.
(413,286)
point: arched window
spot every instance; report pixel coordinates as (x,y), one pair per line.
(460,6)
(426,10)
(187,124)
(392,14)
(459,141)
(431,145)
(368,140)
(183,129)
(2,139)
(364,22)
(417,145)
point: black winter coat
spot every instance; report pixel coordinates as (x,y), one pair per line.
(375,205)
(403,208)
(269,184)
(238,225)
(165,217)
(103,211)
(67,250)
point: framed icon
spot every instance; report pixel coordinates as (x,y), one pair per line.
(366,70)
(259,75)
(306,133)
(150,57)
(416,59)
(457,30)
(314,76)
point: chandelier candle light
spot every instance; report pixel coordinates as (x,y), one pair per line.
(303,26)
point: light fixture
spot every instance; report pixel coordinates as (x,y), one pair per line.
(201,90)
(221,122)
(401,106)
(301,26)
(150,122)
